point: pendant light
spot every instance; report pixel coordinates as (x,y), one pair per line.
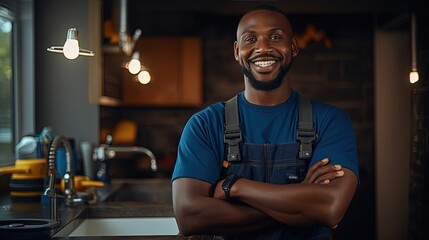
(71,49)
(414,74)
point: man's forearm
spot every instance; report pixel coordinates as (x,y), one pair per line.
(299,204)
(258,222)
(200,213)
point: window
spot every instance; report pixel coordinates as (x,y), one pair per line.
(7,81)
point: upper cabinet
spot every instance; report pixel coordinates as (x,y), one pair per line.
(175,66)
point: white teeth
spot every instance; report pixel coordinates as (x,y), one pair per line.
(264,63)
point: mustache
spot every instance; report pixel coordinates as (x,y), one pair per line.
(264,55)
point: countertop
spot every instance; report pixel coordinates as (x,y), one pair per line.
(68,215)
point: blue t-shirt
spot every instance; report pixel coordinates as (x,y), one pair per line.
(201,147)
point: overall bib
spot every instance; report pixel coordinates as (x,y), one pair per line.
(279,164)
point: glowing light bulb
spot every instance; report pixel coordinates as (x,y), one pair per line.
(144,77)
(414,76)
(134,66)
(71,49)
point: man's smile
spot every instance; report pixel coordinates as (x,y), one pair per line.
(264,64)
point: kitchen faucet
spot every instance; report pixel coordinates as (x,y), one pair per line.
(69,190)
(106,151)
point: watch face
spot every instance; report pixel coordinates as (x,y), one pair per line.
(226,185)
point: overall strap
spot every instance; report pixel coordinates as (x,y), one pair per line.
(306,133)
(232,136)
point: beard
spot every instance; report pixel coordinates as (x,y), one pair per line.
(270,85)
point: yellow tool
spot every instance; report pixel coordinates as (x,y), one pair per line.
(27,169)
(81,183)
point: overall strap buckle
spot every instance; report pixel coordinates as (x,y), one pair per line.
(306,133)
(232,136)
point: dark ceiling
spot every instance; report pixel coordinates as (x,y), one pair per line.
(186,16)
(234,7)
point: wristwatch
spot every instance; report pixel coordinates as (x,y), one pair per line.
(227,184)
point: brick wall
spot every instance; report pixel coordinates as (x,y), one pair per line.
(338,70)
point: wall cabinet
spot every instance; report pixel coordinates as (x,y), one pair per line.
(175,66)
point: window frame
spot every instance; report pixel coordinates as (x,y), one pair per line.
(23,117)
(6,13)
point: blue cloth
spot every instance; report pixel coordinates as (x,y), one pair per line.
(201,147)
(277,164)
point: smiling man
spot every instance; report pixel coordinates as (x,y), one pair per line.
(270,66)
(257,178)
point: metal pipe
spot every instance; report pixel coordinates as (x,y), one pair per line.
(413,42)
(123,22)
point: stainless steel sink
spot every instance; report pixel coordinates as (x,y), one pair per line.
(128,207)
(157,190)
(144,226)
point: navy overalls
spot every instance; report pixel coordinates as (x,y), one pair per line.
(280,164)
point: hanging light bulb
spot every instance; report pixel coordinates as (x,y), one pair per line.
(134,66)
(414,74)
(144,77)
(71,46)
(71,49)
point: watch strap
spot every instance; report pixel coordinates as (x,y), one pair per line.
(227,184)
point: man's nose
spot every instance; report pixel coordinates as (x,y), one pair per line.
(263,46)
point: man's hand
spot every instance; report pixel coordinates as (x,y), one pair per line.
(320,173)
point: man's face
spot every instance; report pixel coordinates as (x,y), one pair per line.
(265,48)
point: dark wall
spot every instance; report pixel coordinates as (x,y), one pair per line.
(61,85)
(337,68)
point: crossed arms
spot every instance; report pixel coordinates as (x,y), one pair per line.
(322,198)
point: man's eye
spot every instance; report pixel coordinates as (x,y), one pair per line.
(249,39)
(276,37)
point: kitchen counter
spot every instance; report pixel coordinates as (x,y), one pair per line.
(70,216)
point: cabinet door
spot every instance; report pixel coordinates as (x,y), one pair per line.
(191,74)
(174,64)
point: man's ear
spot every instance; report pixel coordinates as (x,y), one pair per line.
(295,47)
(236,50)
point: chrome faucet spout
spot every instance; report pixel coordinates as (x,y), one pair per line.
(134,149)
(69,191)
(105,152)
